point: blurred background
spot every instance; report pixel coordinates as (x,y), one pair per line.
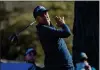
(16,15)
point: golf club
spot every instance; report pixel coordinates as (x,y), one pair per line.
(14,37)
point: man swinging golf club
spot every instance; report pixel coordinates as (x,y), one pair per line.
(57,56)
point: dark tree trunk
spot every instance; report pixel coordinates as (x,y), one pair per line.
(86,31)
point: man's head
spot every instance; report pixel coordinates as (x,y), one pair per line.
(83,56)
(41,15)
(30,55)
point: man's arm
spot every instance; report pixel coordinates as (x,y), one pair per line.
(62,33)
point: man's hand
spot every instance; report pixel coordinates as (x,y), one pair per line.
(60,21)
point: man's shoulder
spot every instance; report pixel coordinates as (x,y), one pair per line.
(39,26)
(43,27)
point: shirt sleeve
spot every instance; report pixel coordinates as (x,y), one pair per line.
(62,33)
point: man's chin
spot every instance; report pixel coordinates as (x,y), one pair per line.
(48,22)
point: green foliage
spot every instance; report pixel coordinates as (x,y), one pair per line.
(28,37)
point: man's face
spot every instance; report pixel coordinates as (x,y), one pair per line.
(43,18)
(30,57)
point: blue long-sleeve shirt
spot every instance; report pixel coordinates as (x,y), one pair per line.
(55,48)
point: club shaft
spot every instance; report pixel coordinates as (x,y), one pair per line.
(17,33)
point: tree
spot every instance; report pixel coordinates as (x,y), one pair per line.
(86,31)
